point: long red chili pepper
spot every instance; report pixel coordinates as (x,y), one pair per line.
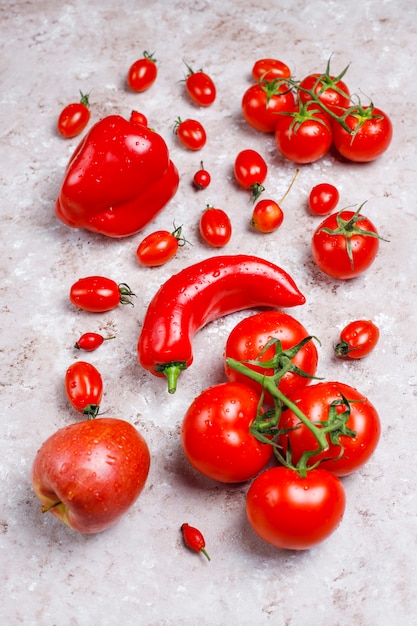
(200,294)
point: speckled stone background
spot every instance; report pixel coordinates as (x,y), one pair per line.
(139,572)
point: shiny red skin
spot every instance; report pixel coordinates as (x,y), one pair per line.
(142,73)
(250,168)
(157,248)
(215,227)
(84,387)
(191,134)
(73,118)
(117,180)
(330,97)
(201,179)
(269,69)
(306,143)
(96,294)
(267,216)
(262,113)
(369,141)
(357,339)
(323,199)
(200,88)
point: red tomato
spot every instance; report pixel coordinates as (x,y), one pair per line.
(323,199)
(190,133)
(98,294)
(84,388)
(267,216)
(200,88)
(74,117)
(90,341)
(372,134)
(251,335)
(270,69)
(305,136)
(215,227)
(159,247)
(261,104)
(201,178)
(215,434)
(345,244)
(250,171)
(142,74)
(324,404)
(331,91)
(357,339)
(138,118)
(292,512)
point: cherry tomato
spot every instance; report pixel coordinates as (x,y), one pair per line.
(345,244)
(138,118)
(293,512)
(215,434)
(142,73)
(323,199)
(261,104)
(372,134)
(267,216)
(357,339)
(99,294)
(90,341)
(194,539)
(200,87)
(159,247)
(355,427)
(74,117)
(270,69)
(251,335)
(250,170)
(190,133)
(333,93)
(84,388)
(202,177)
(305,136)
(215,227)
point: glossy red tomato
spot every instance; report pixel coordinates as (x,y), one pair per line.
(215,227)
(357,339)
(190,133)
(201,178)
(90,341)
(74,117)
(325,403)
(200,88)
(292,512)
(98,294)
(304,137)
(251,335)
(323,199)
(215,434)
(372,134)
(345,244)
(267,216)
(250,170)
(262,103)
(142,73)
(159,247)
(138,118)
(84,388)
(333,93)
(269,69)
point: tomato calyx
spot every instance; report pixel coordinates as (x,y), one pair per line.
(84,99)
(274,87)
(256,190)
(149,56)
(177,233)
(125,294)
(91,411)
(342,349)
(306,112)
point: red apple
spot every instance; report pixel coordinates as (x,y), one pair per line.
(89,473)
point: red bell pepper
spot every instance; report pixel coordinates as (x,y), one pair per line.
(119,177)
(200,294)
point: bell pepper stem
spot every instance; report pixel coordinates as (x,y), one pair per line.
(172,371)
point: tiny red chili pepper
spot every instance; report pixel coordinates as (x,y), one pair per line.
(202,177)
(90,341)
(193,539)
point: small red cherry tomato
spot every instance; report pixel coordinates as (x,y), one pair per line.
(333,93)
(84,388)
(215,227)
(190,133)
(90,341)
(194,539)
(267,216)
(262,103)
(304,136)
(323,199)
(270,69)
(142,73)
(159,247)
(357,339)
(201,178)
(138,118)
(98,294)
(74,117)
(200,87)
(250,170)
(370,136)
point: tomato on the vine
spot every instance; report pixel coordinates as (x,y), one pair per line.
(304,136)
(330,90)
(98,294)
(191,133)
(250,170)
(269,69)
(142,73)
(138,118)
(74,117)
(294,512)
(252,334)
(215,227)
(200,87)
(351,421)
(323,198)
(345,244)
(159,247)
(84,388)
(267,216)
(202,177)
(262,102)
(215,433)
(357,339)
(369,137)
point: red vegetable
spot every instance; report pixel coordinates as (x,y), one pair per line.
(190,133)
(200,294)
(142,73)
(323,198)
(270,69)
(74,117)
(193,539)
(84,388)
(117,180)
(305,136)
(200,87)
(159,247)
(98,294)
(138,118)
(369,137)
(90,341)
(201,178)
(250,170)
(215,227)
(357,339)
(262,103)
